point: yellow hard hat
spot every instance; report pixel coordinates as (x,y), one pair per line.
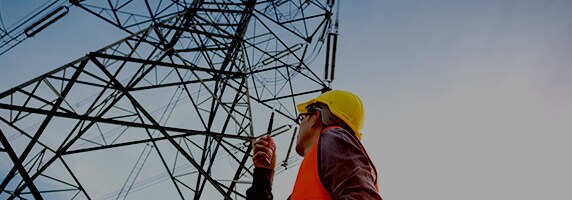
(344,105)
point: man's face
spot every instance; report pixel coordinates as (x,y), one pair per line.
(305,137)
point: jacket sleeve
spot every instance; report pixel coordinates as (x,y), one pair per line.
(261,188)
(344,168)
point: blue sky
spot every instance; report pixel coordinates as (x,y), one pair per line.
(465,99)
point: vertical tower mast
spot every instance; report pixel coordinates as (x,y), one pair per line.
(168,110)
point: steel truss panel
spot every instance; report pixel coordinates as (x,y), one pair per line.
(170,111)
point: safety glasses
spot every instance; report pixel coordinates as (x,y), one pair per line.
(301,116)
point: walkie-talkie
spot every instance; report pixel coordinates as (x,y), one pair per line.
(269,132)
(270,123)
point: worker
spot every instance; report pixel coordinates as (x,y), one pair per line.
(335,164)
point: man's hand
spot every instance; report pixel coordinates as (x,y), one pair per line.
(264,153)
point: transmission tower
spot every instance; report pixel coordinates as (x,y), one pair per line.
(171,110)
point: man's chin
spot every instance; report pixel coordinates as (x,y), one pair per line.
(300,151)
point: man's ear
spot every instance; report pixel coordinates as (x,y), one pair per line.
(317,119)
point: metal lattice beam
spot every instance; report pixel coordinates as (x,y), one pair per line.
(177,101)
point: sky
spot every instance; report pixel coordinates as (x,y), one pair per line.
(464,99)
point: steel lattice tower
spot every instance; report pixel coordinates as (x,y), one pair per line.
(171,109)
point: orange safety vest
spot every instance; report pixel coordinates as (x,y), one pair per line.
(308,184)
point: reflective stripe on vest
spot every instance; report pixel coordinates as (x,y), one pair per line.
(308,185)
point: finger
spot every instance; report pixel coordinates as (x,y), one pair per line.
(262,138)
(267,162)
(262,142)
(261,148)
(261,154)
(261,158)
(266,154)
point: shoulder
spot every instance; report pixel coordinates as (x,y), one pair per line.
(337,145)
(339,136)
